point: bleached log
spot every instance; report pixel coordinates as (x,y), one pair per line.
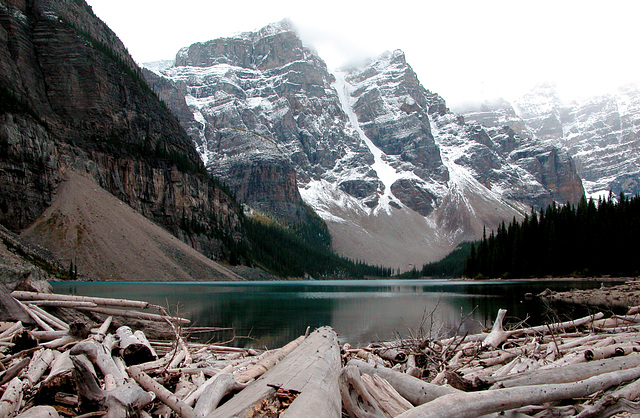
(633,310)
(14,370)
(9,332)
(183,387)
(118,401)
(62,364)
(390,402)
(629,392)
(311,370)
(39,364)
(40,411)
(101,356)
(162,393)
(356,399)
(473,404)
(50,319)
(223,385)
(135,314)
(60,342)
(610,351)
(11,399)
(48,335)
(143,339)
(125,303)
(414,390)
(192,398)
(497,335)
(102,330)
(392,354)
(41,323)
(62,303)
(132,349)
(268,361)
(570,373)
(556,327)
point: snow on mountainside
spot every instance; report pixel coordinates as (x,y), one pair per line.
(601,133)
(397,177)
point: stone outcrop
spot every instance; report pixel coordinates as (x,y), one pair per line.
(74,100)
(375,154)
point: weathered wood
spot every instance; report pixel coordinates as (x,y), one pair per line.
(629,392)
(50,319)
(118,401)
(9,332)
(125,303)
(473,404)
(388,399)
(559,326)
(223,385)
(497,335)
(132,349)
(570,373)
(267,362)
(14,370)
(11,398)
(62,303)
(392,354)
(36,318)
(40,411)
(134,314)
(414,390)
(101,356)
(102,330)
(163,394)
(311,370)
(39,364)
(356,399)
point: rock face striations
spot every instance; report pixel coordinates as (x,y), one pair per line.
(600,133)
(74,100)
(397,177)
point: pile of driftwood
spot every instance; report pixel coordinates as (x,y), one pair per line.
(586,367)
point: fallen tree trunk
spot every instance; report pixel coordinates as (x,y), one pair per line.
(311,371)
(268,361)
(356,399)
(11,398)
(134,314)
(414,390)
(497,335)
(168,398)
(569,373)
(223,385)
(473,404)
(21,295)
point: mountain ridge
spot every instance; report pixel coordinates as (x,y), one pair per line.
(345,135)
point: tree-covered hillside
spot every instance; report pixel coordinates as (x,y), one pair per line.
(591,238)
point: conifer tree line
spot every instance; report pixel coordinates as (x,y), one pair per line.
(591,238)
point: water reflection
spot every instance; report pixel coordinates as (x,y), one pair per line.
(274,313)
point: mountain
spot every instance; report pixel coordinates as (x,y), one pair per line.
(396,176)
(73,101)
(600,133)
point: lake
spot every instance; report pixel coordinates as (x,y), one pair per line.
(273,313)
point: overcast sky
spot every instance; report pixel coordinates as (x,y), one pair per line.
(461,49)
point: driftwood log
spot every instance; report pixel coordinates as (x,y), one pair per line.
(474,404)
(310,371)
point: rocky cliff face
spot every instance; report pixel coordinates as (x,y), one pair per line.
(601,134)
(398,178)
(74,100)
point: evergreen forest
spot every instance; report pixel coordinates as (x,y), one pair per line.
(592,238)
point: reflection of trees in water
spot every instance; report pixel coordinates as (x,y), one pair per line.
(275,313)
(273,319)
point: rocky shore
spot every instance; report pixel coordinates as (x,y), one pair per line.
(615,296)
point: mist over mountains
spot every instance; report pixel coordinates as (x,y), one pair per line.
(398,178)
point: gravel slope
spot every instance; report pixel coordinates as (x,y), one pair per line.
(108,240)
